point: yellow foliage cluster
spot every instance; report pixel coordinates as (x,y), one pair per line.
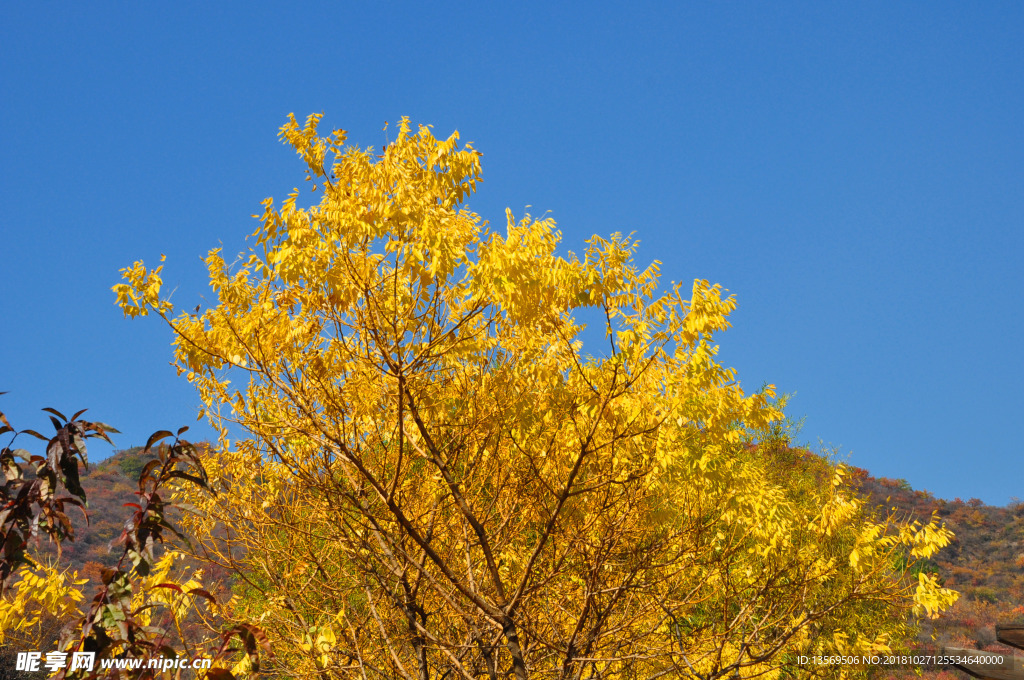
(153,591)
(40,592)
(437,479)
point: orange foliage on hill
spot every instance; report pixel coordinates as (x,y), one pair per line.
(984,563)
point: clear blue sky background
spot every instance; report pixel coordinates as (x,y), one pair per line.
(852,173)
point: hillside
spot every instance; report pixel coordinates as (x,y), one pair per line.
(984,562)
(108,485)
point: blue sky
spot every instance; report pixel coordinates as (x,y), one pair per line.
(853,174)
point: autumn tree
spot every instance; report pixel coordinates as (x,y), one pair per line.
(437,479)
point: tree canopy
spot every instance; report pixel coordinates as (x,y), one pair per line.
(438,480)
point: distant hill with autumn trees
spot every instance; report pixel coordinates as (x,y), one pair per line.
(109,485)
(985,563)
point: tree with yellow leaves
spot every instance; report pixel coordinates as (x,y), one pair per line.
(438,481)
(44,597)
